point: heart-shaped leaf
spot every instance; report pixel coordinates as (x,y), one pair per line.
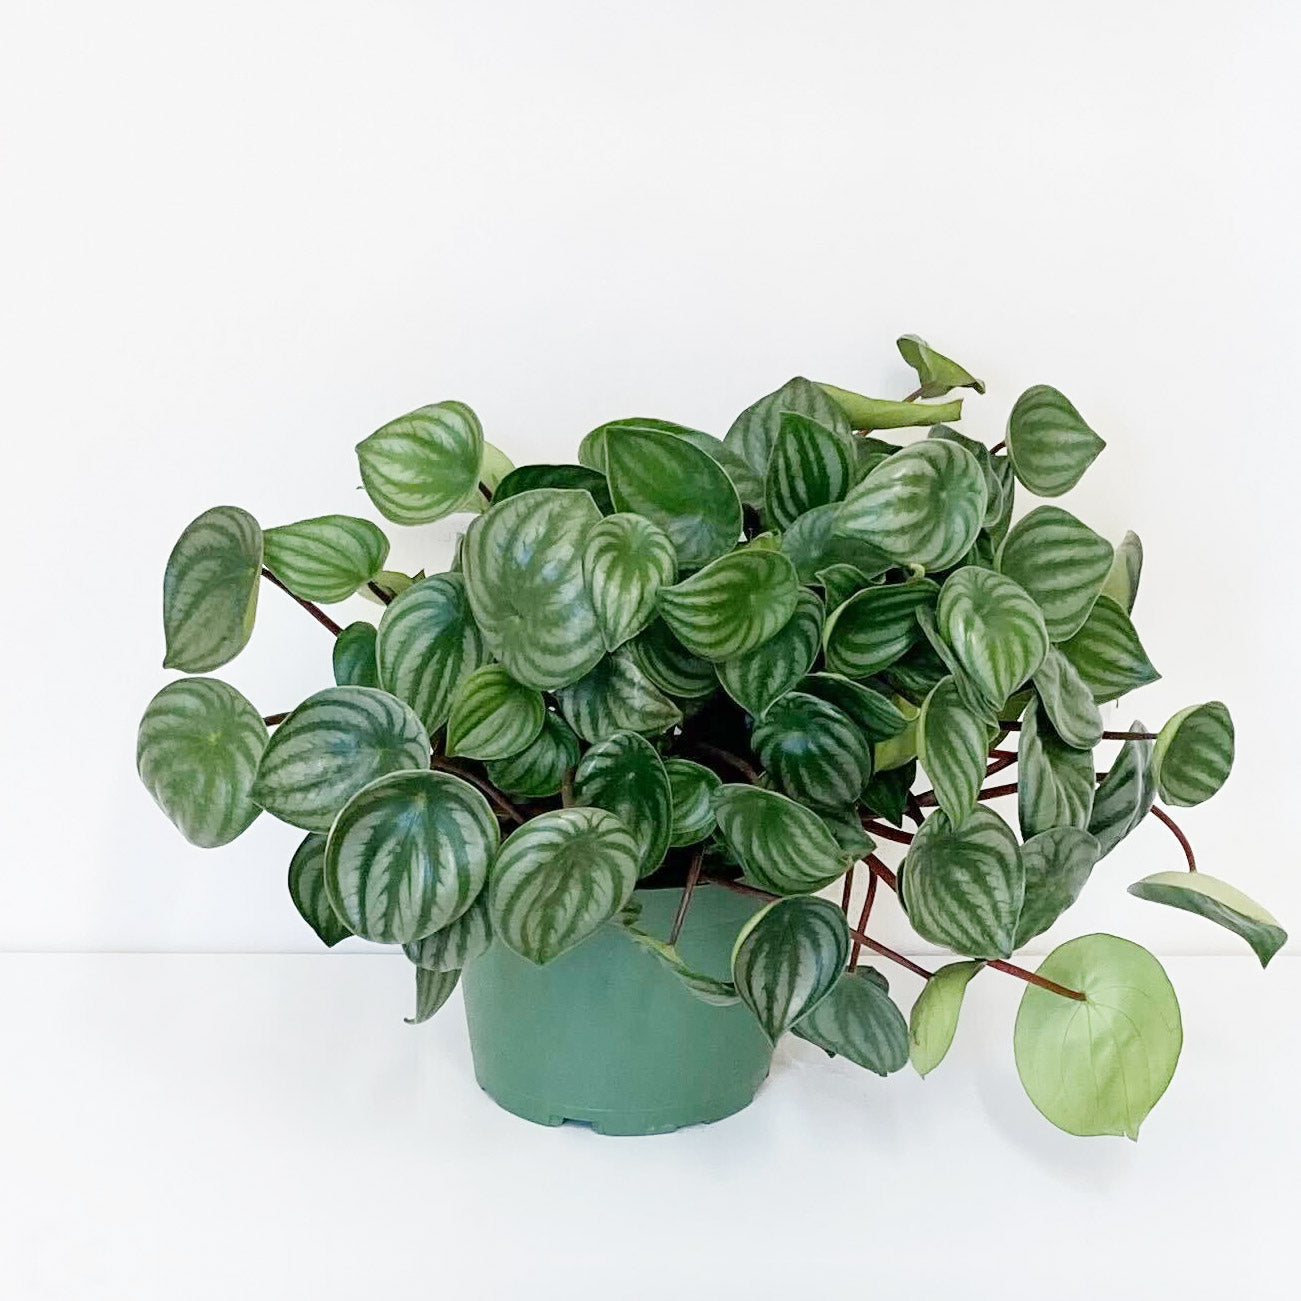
(325,559)
(423,465)
(626,561)
(433,989)
(963,885)
(457,944)
(985,459)
(1193,754)
(210,590)
(952,744)
(408,854)
(1126,569)
(787,958)
(1067,701)
(755,430)
(354,659)
(876,714)
(1057,864)
(624,775)
(858,1021)
(616,696)
(783,846)
(332,745)
(1107,653)
(936,373)
(1048,441)
(691,787)
(558,878)
(813,752)
(307,890)
(1098,1066)
(756,679)
(1125,795)
(812,544)
(539,769)
(1217,901)
(578,477)
(1056,781)
(934,1016)
(523,562)
(197,751)
(810,465)
(670,665)
(876,627)
(866,414)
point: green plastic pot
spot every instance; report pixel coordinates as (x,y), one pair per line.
(605,1034)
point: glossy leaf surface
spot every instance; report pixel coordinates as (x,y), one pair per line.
(1107,653)
(457,944)
(670,665)
(353,658)
(1125,795)
(579,478)
(783,846)
(858,1020)
(759,677)
(626,561)
(325,559)
(1193,754)
(952,744)
(876,627)
(936,373)
(1049,444)
(433,989)
(1126,570)
(755,430)
(625,776)
(691,787)
(877,715)
(539,769)
(616,696)
(1057,865)
(493,716)
(867,414)
(1067,701)
(810,465)
(307,890)
(813,751)
(1056,782)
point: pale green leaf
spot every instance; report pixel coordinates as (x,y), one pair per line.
(813,751)
(1107,653)
(325,559)
(754,680)
(625,776)
(493,716)
(867,414)
(307,890)
(539,769)
(895,751)
(782,846)
(858,1021)
(709,989)
(616,696)
(626,561)
(1217,901)
(936,373)
(1057,865)
(1048,442)
(1193,754)
(1056,783)
(934,1017)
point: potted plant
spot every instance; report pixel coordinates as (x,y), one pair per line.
(618,768)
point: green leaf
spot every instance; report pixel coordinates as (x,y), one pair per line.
(1125,795)
(423,465)
(782,846)
(433,989)
(732,605)
(1067,701)
(787,958)
(1056,781)
(691,787)
(677,486)
(756,679)
(523,563)
(391,583)
(1193,754)
(858,1021)
(867,414)
(839,582)
(1107,653)
(810,465)
(1060,562)
(1099,1065)
(813,545)
(1217,901)
(936,373)
(747,482)
(210,590)
(624,775)
(1126,569)
(353,657)
(1057,864)
(325,559)
(197,751)
(493,716)
(332,745)
(670,666)
(755,430)
(428,643)
(616,696)
(963,884)
(846,825)
(922,506)
(876,714)
(496,466)
(626,561)
(994,629)
(813,751)
(993,480)
(307,890)
(997,523)
(886,794)
(538,770)
(1048,442)
(896,751)
(952,744)
(934,1017)
(457,944)
(970,693)
(577,477)
(709,989)
(876,627)
(408,854)
(558,878)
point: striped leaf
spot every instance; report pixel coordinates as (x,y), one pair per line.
(886,794)
(936,373)
(994,629)
(869,453)
(866,414)
(523,562)
(876,627)
(810,465)
(934,1016)
(1100,1066)
(1068,703)
(756,679)
(197,750)
(332,745)
(691,788)
(423,465)
(963,885)
(812,544)
(210,590)
(428,644)
(952,744)
(558,878)
(813,751)
(325,559)
(970,693)
(578,477)
(1193,754)
(1056,781)
(782,846)
(307,890)
(493,716)
(997,525)
(1057,864)
(858,1021)
(1125,795)
(920,670)
(616,696)
(922,506)
(747,481)
(433,989)
(1048,442)
(624,775)
(876,714)
(408,854)
(677,486)
(670,665)
(1107,653)
(732,605)
(846,826)
(457,944)
(1126,569)
(787,959)
(539,769)
(626,561)
(353,658)
(754,431)
(993,480)
(709,989)
(840,582)
(1217,901)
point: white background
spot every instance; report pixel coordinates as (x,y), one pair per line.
(235,238)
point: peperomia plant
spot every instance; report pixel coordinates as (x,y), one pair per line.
(686,659)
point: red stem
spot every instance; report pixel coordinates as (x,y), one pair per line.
(377,591)
(1032,978)
(314,610)
(734,762)
(272,719)
(689,889)
(998,447)
(1162,816)
(863,919)
(875,828)
(1014,725)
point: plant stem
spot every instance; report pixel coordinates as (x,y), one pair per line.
(378,592)
(495,797)
(726,756)
(1014,725)
(875,828)
(486,493)
(567,789)
(1162,816)
(989,793)
(1034,979)
(868,943)
(878,868)
(689,889)
(314,610)
(863,920)
(272,719)
(913,396)
(998,447)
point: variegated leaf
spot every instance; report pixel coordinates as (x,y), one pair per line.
(210,590)
(876,714)
(962,886)
(325,559)
(332,745)
(493,716)
(747,481)
(1107,653)
(919,671)
(997,525)
(782,846)
(1068,703)
(813,751)
(754,680)
(433,989)
(1057,865)
(408,854)
(709,989)
(1219,902)
(936,373)
(626,561)
(877,626)
(428,644)
(691,788)
(578,477)
(895,751)
(625,776)
(1193,754)
(1056,781)
(754,431)
(423,465)
(810,465)
(197,750)
(307,890)
(858,1021)
(787,958)
(353,658)
(457,944)
(840,582)
(1125,795)
(812,544)
(670,665)
(993,481)
(934,1016)
(539,769)
(886,794)
(616,696)
(1126,569)
(558,878)
(970,692)
(952,744)
(866,414)
(1048,442)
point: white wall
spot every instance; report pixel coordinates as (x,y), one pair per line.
(235,238)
